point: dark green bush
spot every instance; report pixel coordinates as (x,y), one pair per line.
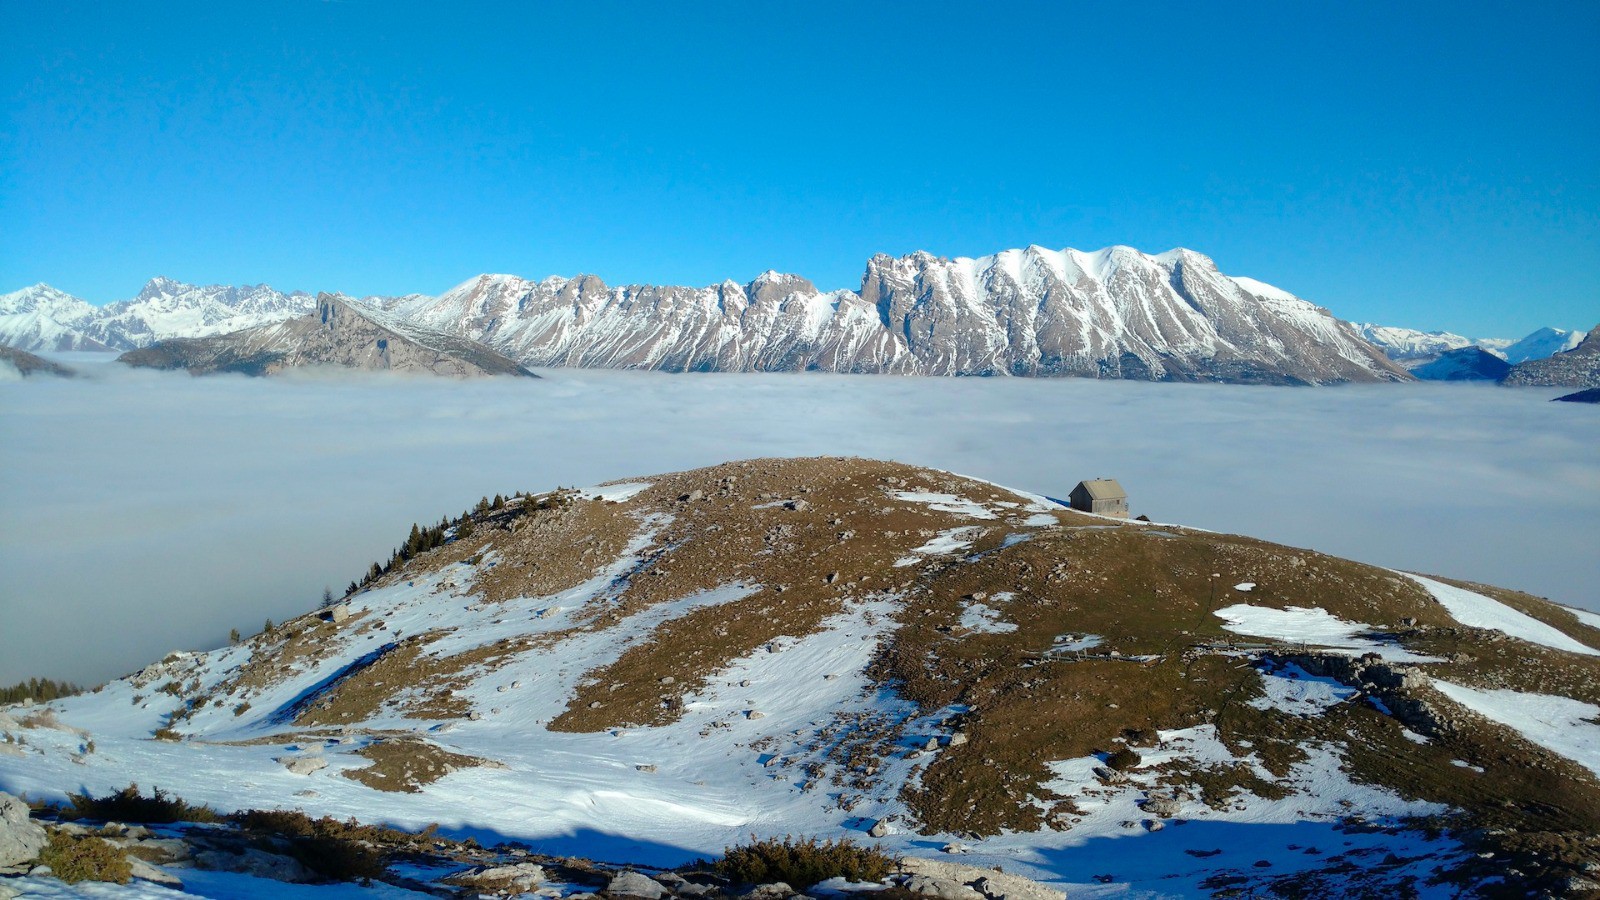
(1123,759)
(128,805)
(328,847)
(801,863)
(75,859)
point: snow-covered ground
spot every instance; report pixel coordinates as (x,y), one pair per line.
(1559,724)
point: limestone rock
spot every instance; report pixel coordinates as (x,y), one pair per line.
(255,863)
(632,884)
(302,765)
(21,838)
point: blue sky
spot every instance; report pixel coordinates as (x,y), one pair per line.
(1427,165)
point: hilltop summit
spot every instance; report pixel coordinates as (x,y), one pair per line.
(654,669)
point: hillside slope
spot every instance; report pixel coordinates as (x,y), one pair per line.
(652,670)
(1578,367)
(338,333)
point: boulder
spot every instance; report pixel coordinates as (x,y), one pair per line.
(520,878)
(878,829)
(255,863)
(632,884)
(302,765)
(985,882)
(143,871)
(21,838)
(943,888)
(777,890)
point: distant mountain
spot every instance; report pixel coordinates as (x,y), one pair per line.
(1541,344)
(28,365)
(1115,313)
(1588,395)
(338,333)
(1412,348)
(1578,367)
(41,318)
(1464,364)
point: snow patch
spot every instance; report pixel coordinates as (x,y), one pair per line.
(1294,690)
(1314,626)
(1570,728)
(1477,611)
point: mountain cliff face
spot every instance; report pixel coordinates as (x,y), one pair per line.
(653,670)
(1578,367)
(1117,313)
(337,333)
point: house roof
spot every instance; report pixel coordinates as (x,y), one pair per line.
(1104,489)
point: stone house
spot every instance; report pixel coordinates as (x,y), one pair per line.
(1100,495)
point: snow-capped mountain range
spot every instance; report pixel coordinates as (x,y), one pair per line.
(1113,313)
(1414,349)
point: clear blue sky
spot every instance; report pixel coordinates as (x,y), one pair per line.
(1428,165)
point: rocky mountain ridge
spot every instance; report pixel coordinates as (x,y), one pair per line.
(654,669)
(338,333)
(1114,313)
(1578,367)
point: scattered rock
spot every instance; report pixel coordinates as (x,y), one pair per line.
(668,679)
(21,838)
(754,714)
(338,613)
(632,884)
(878,829)
(777,890)
(519,878)
(797,505)
(646,767)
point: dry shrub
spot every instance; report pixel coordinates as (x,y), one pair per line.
(74,859)
(801,863)
(129,805)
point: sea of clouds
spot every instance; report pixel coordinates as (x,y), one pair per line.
(142,512)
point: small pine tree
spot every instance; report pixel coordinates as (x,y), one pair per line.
(327,597)
(233,636)
(267,628)
(499,502)
(352,589)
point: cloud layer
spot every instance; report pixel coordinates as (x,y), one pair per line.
(142,512)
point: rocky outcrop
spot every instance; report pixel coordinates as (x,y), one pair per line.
(337,334)
(1578,367)
(21,838)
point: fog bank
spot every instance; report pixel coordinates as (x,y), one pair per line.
(142,512)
